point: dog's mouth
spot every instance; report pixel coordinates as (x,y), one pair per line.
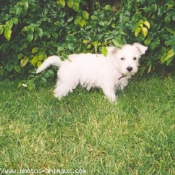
(131,73)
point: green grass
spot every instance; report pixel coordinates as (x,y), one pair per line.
(83,131)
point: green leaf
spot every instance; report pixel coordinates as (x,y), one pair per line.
(137,31)
(1,29)
(149,68)
(144,31)
(76,6)
(40,32)
(171,41)
(62,2)
(160,10)
(95,43)
(28,29)
(104,51)
(38,57)
(154,7)
(51,73)
(17,68)
(26,5)
(82,23)
(147,41)
(9,67)
(31,28)
(173,47)
(78,1)
(46,75)
(70,3)
(85,15)
(39,63)
(147,9)
(167,19)
(170,30)
(24,61)
(86,42)
(170,4)
(108,7)
(15,21)
(93,17)
(20,84)
(89,46)
(70,19)
(167,56)
(102,23)
(169,61)
(7,33)
(118,41)
(9,24)
(18,10)
(20,56)
(147,24)
(154,44)
(70,46)
(35,50)
(43,80)
(31,85)
(34,60)
(77,20)
(25,29)
(41,56)
(30,37)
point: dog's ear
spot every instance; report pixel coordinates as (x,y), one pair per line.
(112,50)
(141,48)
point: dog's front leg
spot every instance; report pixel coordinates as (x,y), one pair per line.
(123,83)
(110,93)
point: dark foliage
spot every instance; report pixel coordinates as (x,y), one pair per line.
(32,30)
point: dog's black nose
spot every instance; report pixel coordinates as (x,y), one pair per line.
(129,69)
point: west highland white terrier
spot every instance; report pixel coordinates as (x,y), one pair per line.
(95,70)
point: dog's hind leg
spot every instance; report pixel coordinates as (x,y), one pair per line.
(63,88)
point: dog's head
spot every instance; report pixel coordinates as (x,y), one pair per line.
(127,58)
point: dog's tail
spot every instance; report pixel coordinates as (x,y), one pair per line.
(52,60)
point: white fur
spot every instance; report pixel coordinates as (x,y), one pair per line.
(96,70)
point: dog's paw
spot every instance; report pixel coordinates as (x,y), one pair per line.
(112,98)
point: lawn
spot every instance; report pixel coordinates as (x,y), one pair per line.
(86,134)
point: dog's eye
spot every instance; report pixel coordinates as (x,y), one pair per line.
(122,58)
(134,58)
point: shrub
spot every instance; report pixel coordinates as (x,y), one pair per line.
(32,30)
(152,23)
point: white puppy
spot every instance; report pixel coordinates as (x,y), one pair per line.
(96,70)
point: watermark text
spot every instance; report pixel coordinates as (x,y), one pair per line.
(40,171)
